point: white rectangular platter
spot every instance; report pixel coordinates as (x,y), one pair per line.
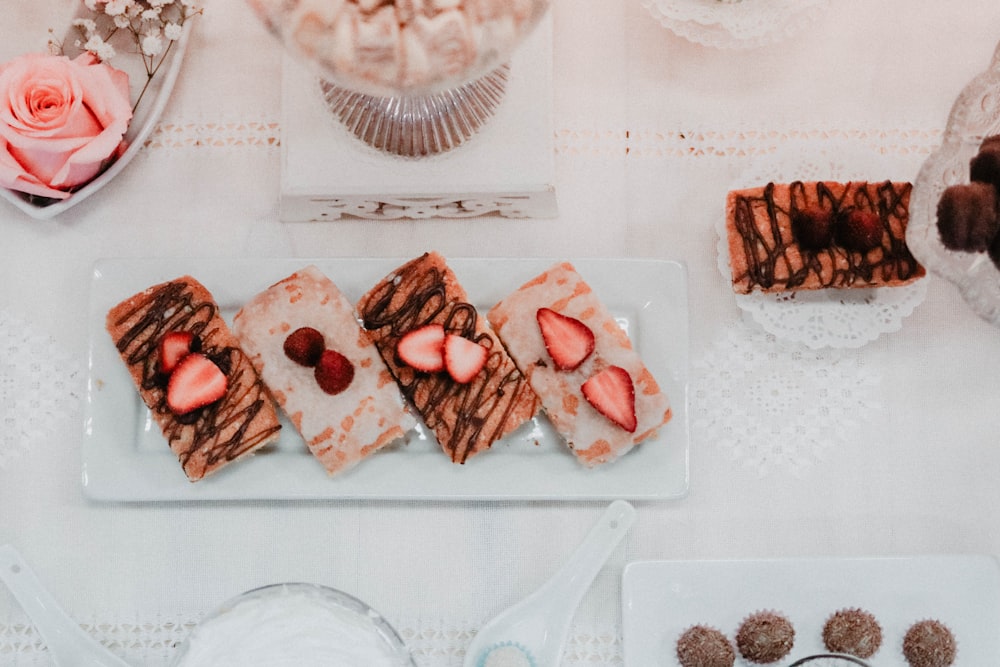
(125,457)
(661,599)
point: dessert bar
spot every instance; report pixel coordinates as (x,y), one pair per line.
(819,234)
(593,385)
(416,314)
(193,375)
(303,338)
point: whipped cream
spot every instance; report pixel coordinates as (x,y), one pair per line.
(294,625)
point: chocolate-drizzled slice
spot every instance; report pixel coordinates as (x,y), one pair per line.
(210,437)
(466,418)
(766,255)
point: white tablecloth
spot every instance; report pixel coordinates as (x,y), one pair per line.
(886,449)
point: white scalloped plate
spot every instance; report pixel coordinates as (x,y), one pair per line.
(147,114)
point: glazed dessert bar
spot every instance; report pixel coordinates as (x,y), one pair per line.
(304,340)
(819,234)
(593,385)
(418,302)
(193,375)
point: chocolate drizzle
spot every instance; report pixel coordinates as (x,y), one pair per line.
(466,418)
(774,260)
(215,434)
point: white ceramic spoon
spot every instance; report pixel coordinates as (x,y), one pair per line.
(68,644)
(532,632)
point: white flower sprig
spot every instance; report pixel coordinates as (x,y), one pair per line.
(152,25)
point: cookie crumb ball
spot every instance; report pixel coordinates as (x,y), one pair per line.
(852,631)
(765,637)
(929,644)
(702,646)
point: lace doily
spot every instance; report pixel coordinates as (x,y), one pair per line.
(39,387)
(154,642)
(740,24)
(779,406)
(841,318)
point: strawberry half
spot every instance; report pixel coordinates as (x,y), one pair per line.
(333,372)
(423,348)
(195,383)
(568,340)
(463,358)
(174,346)
(304,346)
(812,227)
(612,393)
(859,230)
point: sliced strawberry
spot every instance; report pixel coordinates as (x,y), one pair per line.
(195,383)
(568,340)
(304,346)
(423,348)
(612,393)
(334,372)
(174,346)
(463,358)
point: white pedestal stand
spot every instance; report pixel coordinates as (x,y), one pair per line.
(507,168)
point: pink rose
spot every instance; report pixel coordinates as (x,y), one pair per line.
(61,121)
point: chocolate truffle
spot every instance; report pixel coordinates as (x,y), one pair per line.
(984,167)
(702,646)
(967,217)
(991,142)
(765,637)
(929,644)
(994,251)
(852,631)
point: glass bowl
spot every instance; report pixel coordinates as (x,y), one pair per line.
(296,624)
(412,78)
(974,116)
(401,47)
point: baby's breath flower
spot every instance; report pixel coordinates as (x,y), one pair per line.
(99,48)
(88,25)
(117,7)
(172,31)
(151,27)
(152,45)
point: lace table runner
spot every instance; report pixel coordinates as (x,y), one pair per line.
(153,642)
(40,388)
(777,406)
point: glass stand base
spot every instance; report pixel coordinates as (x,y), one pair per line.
(419,126)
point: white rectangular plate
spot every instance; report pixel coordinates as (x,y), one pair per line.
(661,599)
(126,458)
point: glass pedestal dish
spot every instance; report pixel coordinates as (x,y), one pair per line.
(408,78)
